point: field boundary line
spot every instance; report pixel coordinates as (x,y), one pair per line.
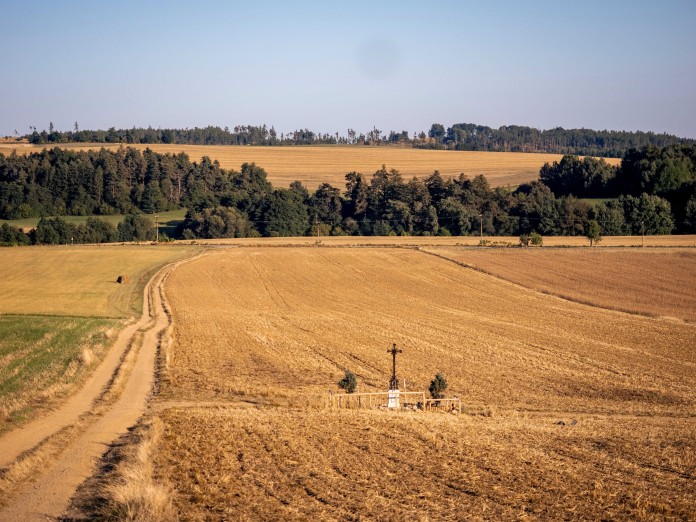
(557,295)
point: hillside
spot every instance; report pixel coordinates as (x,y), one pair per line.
(329,164)
(562,401)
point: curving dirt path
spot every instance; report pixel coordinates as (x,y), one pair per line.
(48,496)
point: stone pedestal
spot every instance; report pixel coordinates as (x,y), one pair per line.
(393,402)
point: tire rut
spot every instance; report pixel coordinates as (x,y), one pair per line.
(49,494)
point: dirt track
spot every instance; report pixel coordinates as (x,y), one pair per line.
(48,496)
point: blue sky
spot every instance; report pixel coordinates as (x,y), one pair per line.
(328,66)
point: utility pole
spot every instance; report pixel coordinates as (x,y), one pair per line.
(156,229)
(642,231)
(481,224)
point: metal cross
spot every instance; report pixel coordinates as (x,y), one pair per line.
(394,382)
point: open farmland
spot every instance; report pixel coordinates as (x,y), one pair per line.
(41,359)
(657,282)
(79,281)
(329,164)
(274,329)
(452,241)
(60,309)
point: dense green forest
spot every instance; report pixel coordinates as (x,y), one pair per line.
(460,136)
(652,191)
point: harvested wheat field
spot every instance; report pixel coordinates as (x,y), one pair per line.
(329,164)
(493,242)
(60,313)
(79,281)
(262,335)
(656,282)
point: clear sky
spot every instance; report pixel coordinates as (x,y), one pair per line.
(328,66)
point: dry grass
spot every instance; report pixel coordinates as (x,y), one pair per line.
(329,164)
(127,486)
(278,326)
(305,465)
(135,496)
(452,241)
(79,281)
(646,281)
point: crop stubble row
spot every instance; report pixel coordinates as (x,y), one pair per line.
(278,326)
(653,282)
(289,321)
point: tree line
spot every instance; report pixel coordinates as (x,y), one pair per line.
(460,136)
(653,191)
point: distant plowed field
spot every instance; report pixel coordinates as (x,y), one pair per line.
(276,328)
(330,164)
(652,282)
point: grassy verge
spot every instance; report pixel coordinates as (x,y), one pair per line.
(42,358)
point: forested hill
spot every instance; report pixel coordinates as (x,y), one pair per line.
(460,136)
(653,191)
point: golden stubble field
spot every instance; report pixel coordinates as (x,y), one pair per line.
(656,282)
(81,280)
(60,311)
(329,164)
(261,334)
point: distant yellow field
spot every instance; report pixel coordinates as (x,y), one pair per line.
(78,281)
(329,164)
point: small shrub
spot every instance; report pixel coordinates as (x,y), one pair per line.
(524,240)
(536,239)
(438,386)
(593,232)
(349,382)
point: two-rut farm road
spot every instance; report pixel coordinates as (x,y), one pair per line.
(48,496)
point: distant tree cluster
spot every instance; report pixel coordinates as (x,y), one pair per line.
(58,231)
(656,191)
(240,135)
(650,181)
(514,138)
(460,136)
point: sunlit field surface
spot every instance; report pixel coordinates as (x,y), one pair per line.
(79,280)
(329,164)
(656,282)
(60,311)
(570,411)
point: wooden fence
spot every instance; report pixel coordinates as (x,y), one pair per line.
(454,404)
(380,400)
